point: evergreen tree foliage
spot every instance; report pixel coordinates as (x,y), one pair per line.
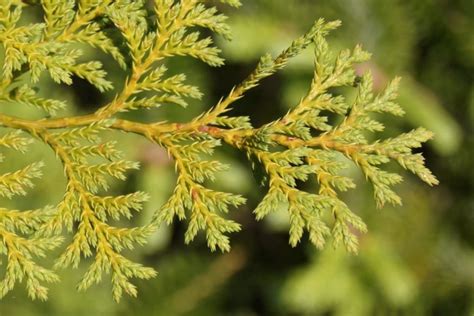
(307,144)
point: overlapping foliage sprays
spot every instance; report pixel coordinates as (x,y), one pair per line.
(301,145)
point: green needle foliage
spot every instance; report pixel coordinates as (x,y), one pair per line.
(303,145)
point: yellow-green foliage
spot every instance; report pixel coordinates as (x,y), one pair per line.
(301,145)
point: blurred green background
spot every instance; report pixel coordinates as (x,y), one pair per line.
(416,260)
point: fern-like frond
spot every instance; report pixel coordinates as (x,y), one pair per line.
(82,204)
(20,247)
(207,207)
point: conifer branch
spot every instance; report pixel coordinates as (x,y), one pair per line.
(302,145)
